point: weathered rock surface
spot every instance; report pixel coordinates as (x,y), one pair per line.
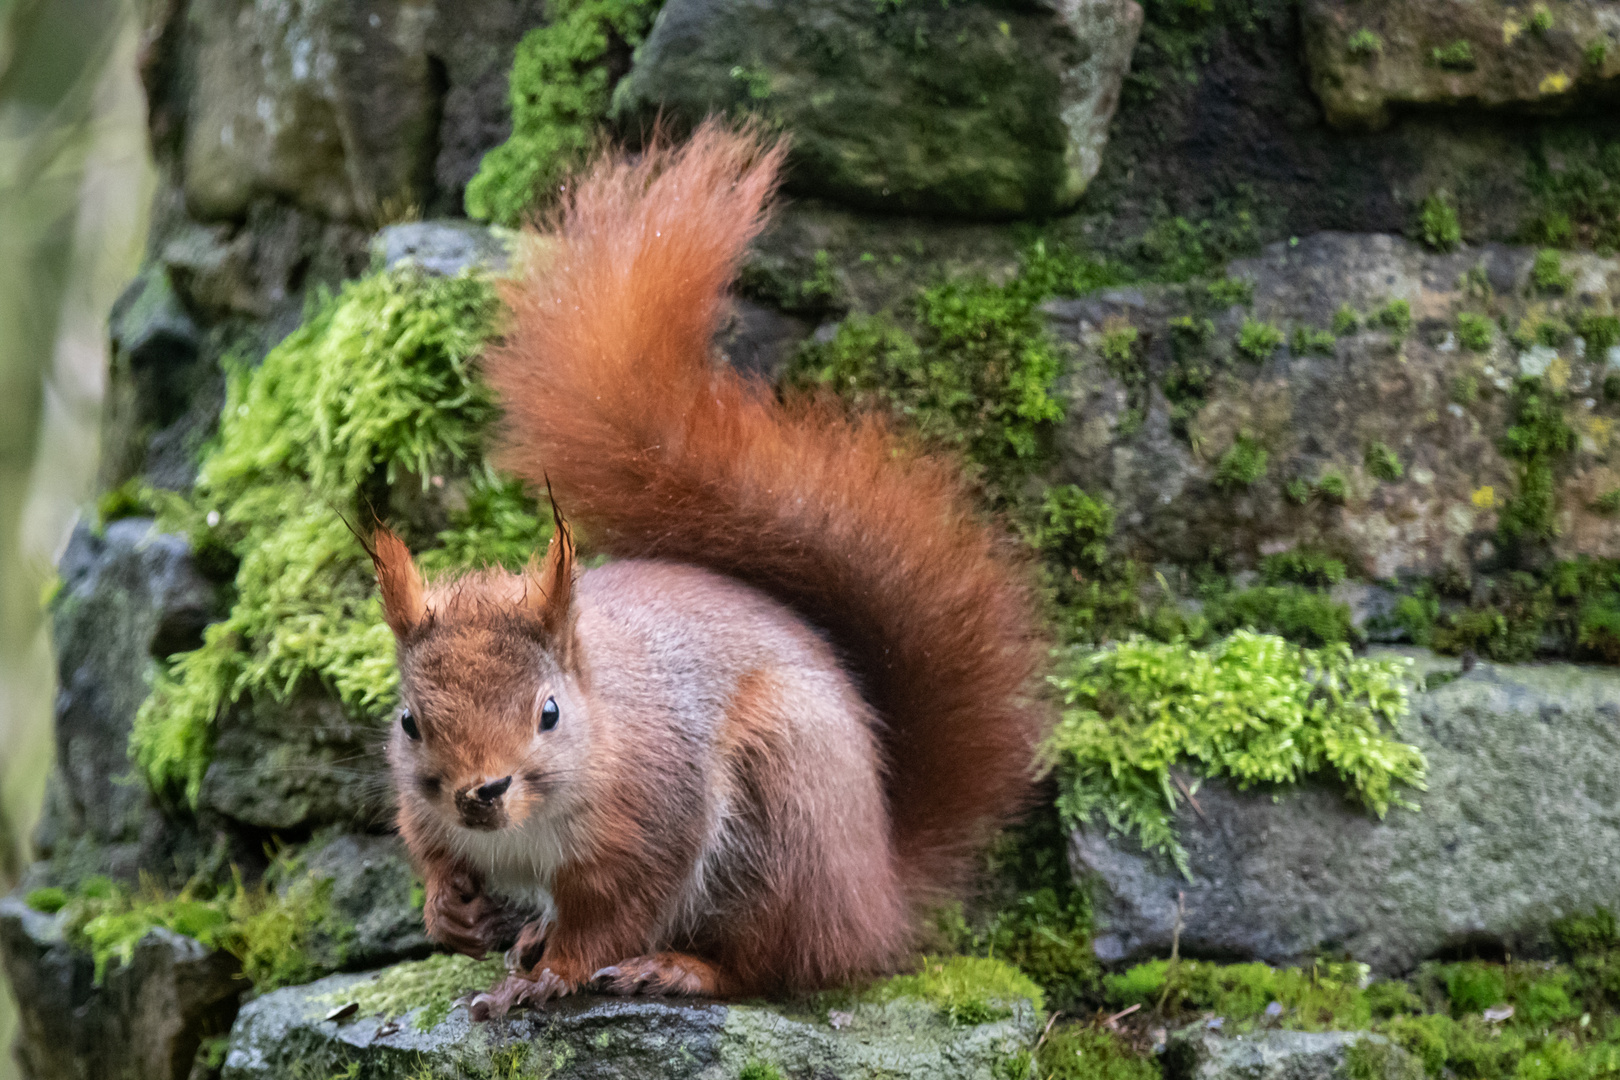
(338,107)
(440,247)
(1155,448)
(1520,826)
(612,1038)
(372,898)
(976,109)
(1367,60)
(128,596)
(1199,1053)
(144,1022)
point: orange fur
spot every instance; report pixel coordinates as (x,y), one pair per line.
(610,393)
(737,759)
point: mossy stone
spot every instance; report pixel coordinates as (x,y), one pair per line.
(1483,54)
(976,109)
(607,1038)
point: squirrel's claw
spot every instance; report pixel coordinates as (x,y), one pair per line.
(516,990)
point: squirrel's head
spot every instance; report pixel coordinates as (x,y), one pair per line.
(492,724)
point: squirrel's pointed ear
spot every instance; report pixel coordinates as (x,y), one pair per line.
(397,579)
(548,597)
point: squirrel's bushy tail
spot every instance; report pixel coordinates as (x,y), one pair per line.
(611,395)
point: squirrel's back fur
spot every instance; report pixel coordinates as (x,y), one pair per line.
(613,398)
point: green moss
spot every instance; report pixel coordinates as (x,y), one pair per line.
(1464,390)
(1438,225)
(1135,710)
(48,901)
(1597,52)
(427,989)
(1548,273)
(1383,462)
(1258,339)
(559,91)
(759,1070)
(1538,440)
(1574,186)
(1302,566)
(1541,19)
(1225,292)
(1601,332)
(1119,344)
(1364,44)
(1296,613)
(1476,332)
(282,930)
(1324,996)
(1474,987)
(1346,320)
(127,500)
(376,388)
(1416,615)
(1243,463)
(1396,317)
(1309,342)
(1077,1052)
(965,989)
(1332,486)
(973,374)
(1457,56)
(1297,491)
(1073,528)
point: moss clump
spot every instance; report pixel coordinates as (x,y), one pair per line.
(1226,291)
(1254,708)
(428,989)
(283,930)
(1396,317)
(1476,332)
(1541,18)
(1601,332)
(1324,996)
(1243,463)
(973,373)
(965,989)
(1073,528)
(1457,56)
(1332,486)
(1303,566)
(1538,440)
(1438,225)
(376,388)
(759,1070)
(1364,44)
(1296,613)
(1383,462)
(559,91)
(1574,183)
(1548,273)
(1076,1052)
(47,901)
(1308,342)
(1346,320)
(1258,339)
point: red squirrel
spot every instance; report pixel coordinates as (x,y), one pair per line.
(744,755)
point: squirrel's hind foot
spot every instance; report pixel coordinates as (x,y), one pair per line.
(669,973)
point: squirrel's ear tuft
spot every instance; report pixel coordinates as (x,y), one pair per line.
(548,596)
(399,582)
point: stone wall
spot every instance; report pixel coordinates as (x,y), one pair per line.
(1284,147)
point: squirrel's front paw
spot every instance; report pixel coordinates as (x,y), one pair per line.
(459,916)
(516,990)
(530,948)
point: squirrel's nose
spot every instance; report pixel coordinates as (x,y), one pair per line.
(493,790)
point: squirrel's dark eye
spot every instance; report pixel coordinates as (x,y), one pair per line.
(408,723)
(549,714)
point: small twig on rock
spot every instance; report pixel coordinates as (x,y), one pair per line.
(1113,1021)
(1045,1032)
(1187,791)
